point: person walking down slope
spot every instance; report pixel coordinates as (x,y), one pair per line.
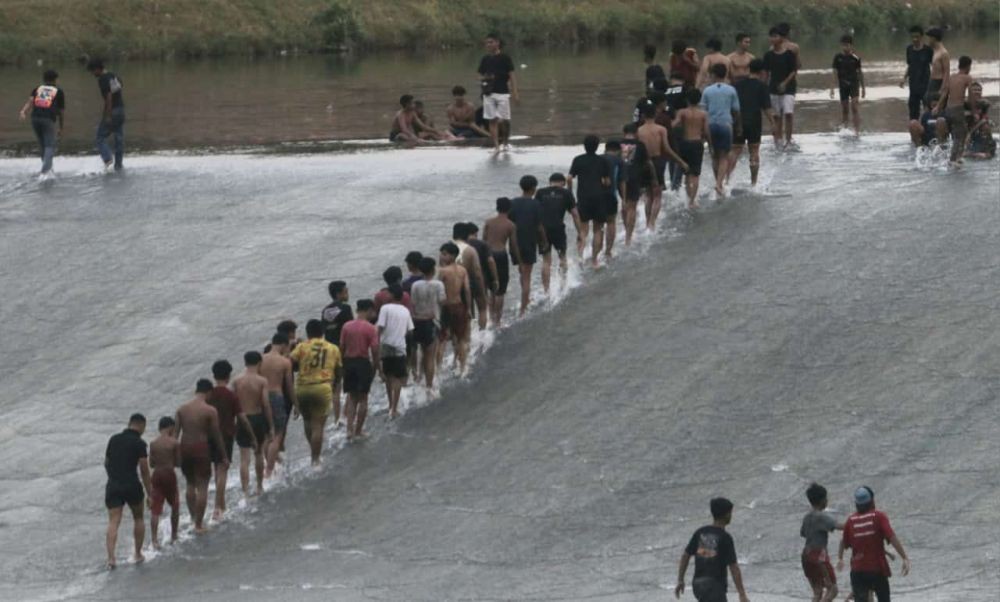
(48,106)
(112,116)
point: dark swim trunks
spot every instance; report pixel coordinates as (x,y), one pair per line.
(393,136)
(117,495)
(660,163)
(465,132)
(502,260)
(557,237)
(933,88)
(748,135)
(424,332)
(849,90)
(358,375)
(164,483)
(258,422)
(454,321)
(279,410)
(196,462)
(692,151)
(216,454)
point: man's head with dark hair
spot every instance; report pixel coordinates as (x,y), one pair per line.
(222,370)
(965,63)
(630,129)
(936,33)
(648,112)
(678,47)
(460,231)
(742,36)
(365,306)
(590,144)
(774,36)
(612,146)
(473,228)
(138,419)
(449,251)
(166,423)
(503,205)
(917,30)
(392,275)
(649,52)
(428,266)
(660,85)
(719,71)
(406,101)
(816,494)
(203,386)
(722,509)
(252,358)
(714,45)
(50,76)
(784,29)
(337,288)
(757,66)
(288,327)
(528,183)
(493,42)
(95,66)
(396,292)
(314,329)
(279,339)
(847,39)
(413,259)
(458,91)
(693,96)
(557,178)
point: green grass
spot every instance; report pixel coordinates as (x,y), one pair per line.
(32,29)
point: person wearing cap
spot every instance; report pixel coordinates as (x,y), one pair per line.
(865,533)
(714,552)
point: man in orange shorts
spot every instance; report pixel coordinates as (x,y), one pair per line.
(162,455)
(455,313)
(816,528)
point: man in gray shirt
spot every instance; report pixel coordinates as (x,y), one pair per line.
(427,296)
(816,528)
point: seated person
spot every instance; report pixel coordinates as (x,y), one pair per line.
(406,124)
(929,127)
(424,127)
(462,116)
(981,142)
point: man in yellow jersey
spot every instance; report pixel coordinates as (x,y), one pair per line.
(320,369)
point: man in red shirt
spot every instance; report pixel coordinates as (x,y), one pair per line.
(359,344)
(392,275)
(866,532)
(227,404)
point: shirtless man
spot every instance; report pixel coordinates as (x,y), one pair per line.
(277,369)
(694,127)
(501,234)
(230,413)
(940,63)
(462,116)
(739,59)
(251,389)
(468,258)
(714,57)
(952,103)
(197,424)
(488,266)
(162,459)
(455,313)
(655,138)
(406,123)
(125,453)
(427,131)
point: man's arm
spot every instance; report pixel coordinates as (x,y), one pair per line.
(677,158)
(734,568)
(576,221)
(681,572)
(945,61)
(906,74)
(840,555)
(466,290)
(895,543)
(147,484)
(177,435)
(836,81)
(861,78)
(268,414)
(512,244)
(107,106)
(423,126)
(515,93)
(24,109)
(217,436)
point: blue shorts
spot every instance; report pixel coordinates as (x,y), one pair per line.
(722,137)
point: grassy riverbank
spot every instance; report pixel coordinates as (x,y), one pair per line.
(33,29)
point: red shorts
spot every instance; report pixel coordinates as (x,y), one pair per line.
(816,565)
(164,489)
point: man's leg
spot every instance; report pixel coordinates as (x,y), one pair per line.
(318,423)
(505,131)
(154,528)
(734,159)
(361,413)
(547,270)
(628,221)
(495,133)
(245,453)
(138,529)
(881,587)
(581,239)
(844,108)
(201,503)
(461,356)
(114,521)
(483,318)
(258,465)
(916,133)
(427,357)
(191,497)
(610,233)
(221,477)
(597,244)
(336,404)
(118,127)
(351,413)
(958,134)
(175,519)
(754,163)
(789,126)
(778,131)
(721,169)
(525,271)
(916,102)
(856,115)
(103,131)
(657,203)
(692,190)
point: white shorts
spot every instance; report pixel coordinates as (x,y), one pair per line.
(496,106)
(783,104)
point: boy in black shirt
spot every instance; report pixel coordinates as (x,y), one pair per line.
(754,102)
(556,201)
(593,180)
(499,88)
(126,451)
(112,116)
(714,551)
(847,75)
(48,105)
(919,57)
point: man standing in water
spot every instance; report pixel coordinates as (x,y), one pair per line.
(394,325)
(277,369)
(455,313)
(714,552)
(125,453)
(940,63)
(754,102)
(816,528)
(723,107)
(850,79)
(713,58)
(162,459)
(656,139)
(488,267)
(593,176)
(865,533)
(499,87)
(527,215)
(251,389)
(781,64)
(112,116)
(320,371)
(953,105)
(197,424)
(501,234)
(359,342)
(556,201)
(48,106)
(639,174)
(654,72)
(918,71)
(229,410)
(428,297)
(739,60)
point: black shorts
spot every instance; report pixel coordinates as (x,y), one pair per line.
(227,442)
(557,237)
(708,590)
(394,366)
(692,151)
(610,207)
(660,163)
(749,134)
(529,252)
(593,209)
(424,332)
(864,583)
(358,375)
(502,260)
(117,495)
(633,189)
(258,422)
(849,90)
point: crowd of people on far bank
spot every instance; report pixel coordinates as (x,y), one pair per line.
(403,331)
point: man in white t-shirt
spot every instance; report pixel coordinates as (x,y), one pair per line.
(428,296)
(394,322)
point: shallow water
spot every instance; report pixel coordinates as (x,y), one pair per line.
(840,324)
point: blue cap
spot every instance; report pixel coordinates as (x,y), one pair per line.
(862,496)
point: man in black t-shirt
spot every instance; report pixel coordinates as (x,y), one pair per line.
(755,101)
(593,175)
(125,453)
(48,105)
(714,552)
(919,57)
(848,76)
(527,217)
(337,313)
(782,66)
(556,201)
(499,87)
(112,116)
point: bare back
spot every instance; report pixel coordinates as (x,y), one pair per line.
(453,277)
(693,122)
(197,421)
(277,369)
(251,389)
(162,452)
(941,63)
(498,232)
(654,136)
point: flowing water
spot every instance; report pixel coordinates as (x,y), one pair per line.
(838,324)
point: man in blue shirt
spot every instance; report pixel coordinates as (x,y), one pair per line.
(722,103)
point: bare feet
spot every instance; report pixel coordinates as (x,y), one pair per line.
(693,206)
(156,546)
(217,515)
(139,558)
(111,565)
(200,529)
